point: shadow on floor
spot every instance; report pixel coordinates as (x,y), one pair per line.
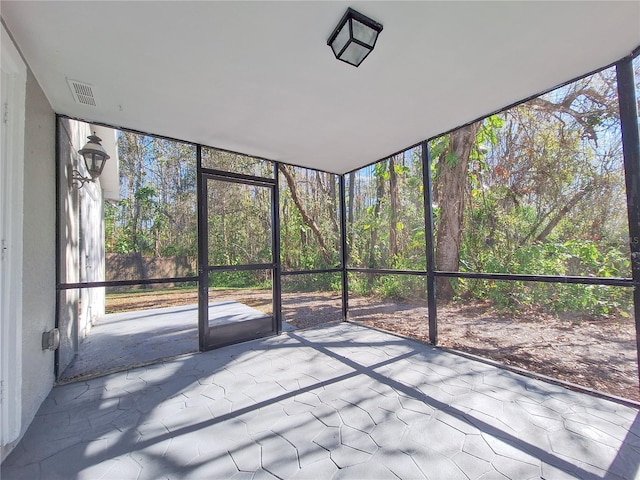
(340,401)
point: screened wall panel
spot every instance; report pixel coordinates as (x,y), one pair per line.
(311,299)
(538,189)
(584,334)
(309,219)
(397,303)
(138,223)
(236,163)
(385,214)
(136,328)
(151,232)
(80,238)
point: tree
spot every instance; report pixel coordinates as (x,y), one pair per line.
(534,177)
(450,194)
(156,215)
(394,203)
(310,231)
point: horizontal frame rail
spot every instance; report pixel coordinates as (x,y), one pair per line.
(387,271)
(223,175)
(604,281)
(238,268)
(125,283)
(311,272)
(613,281)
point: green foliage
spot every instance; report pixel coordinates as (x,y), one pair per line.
(542,195)
(156,215)
(318,195)
(317,282)
(393,287)
(240,279)
(544,199)
(451,158)
(382,216)
(571,258)
(552,298)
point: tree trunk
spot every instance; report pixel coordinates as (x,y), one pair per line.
(333,203)
(395,206)
(136,232)
(306,218)
(352,194)
(374,221)
(452,192)
(560,214)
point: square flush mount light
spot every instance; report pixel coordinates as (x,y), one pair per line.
(354,37)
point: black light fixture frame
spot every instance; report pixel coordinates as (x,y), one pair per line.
(350,15)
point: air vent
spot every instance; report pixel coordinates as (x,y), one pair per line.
(82,92)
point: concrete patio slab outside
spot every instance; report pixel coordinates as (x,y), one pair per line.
(340,401)
(119,341)
(129,339)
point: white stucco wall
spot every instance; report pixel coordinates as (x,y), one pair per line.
(13,86)
(83,256)
(38,300)
(81,241)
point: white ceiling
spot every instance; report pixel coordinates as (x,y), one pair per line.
(258,77)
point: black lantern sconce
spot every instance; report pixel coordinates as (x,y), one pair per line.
(95,157)
(354,37)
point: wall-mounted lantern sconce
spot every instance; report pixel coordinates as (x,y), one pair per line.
(354,37)
(95,157)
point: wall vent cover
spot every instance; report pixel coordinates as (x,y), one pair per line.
(82,92)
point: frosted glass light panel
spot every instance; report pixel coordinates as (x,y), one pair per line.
(364,33)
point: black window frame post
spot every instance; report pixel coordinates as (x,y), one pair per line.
(275,242)
(631,157)
(427,191)
(344,254)
(203,255)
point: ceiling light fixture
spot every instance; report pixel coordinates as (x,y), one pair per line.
(354,37)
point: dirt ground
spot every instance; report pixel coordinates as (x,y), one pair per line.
(592,352)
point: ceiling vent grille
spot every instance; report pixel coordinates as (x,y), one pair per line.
(82,92)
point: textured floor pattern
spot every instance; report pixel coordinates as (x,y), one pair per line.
(335,402)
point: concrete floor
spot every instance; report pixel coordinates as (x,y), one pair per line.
(119,341)
(340,401)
